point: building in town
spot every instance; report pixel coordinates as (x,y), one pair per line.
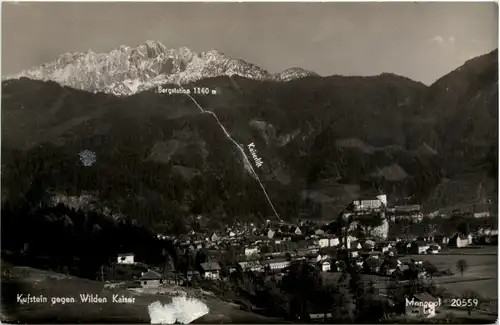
(370,203)
(277,264)
(211,270)
(151,279)
(126,258)
(459,241)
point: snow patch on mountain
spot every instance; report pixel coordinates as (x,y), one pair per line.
(294,73)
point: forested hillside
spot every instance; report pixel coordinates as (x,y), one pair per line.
(323,141)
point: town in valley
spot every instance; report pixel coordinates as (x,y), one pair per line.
(249,163)
(417,272)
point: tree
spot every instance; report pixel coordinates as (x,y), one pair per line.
(372,309)
(430,268)
(462,266)
(356,287)
(168,264)
(430,228)
(265,249)
(302,282)
(231,256)
(324,300)
(450,318)
(201,257)
(464,228)
(372,219)
(471,300)
(343,307)
(334,227)
(397,292)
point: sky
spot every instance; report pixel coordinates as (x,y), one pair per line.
(421,41)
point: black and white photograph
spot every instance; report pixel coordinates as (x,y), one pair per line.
(249,162)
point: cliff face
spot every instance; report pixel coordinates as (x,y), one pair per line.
(380,232)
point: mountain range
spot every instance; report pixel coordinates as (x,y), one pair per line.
(323,141)
(126,71)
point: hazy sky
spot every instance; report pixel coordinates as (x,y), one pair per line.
(422,41)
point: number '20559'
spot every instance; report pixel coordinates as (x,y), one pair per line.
(464,302)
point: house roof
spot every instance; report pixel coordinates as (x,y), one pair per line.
(461,236)
(210,266)
(249,263)
(425,297)
(255,238)
(183,237)
(273,261)
(126,254)
(151,275)
(371,253)
(368,197)
(373,262)
(284,228)
(407,208)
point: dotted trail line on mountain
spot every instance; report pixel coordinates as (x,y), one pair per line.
(247,161)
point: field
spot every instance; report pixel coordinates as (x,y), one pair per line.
(481,275)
